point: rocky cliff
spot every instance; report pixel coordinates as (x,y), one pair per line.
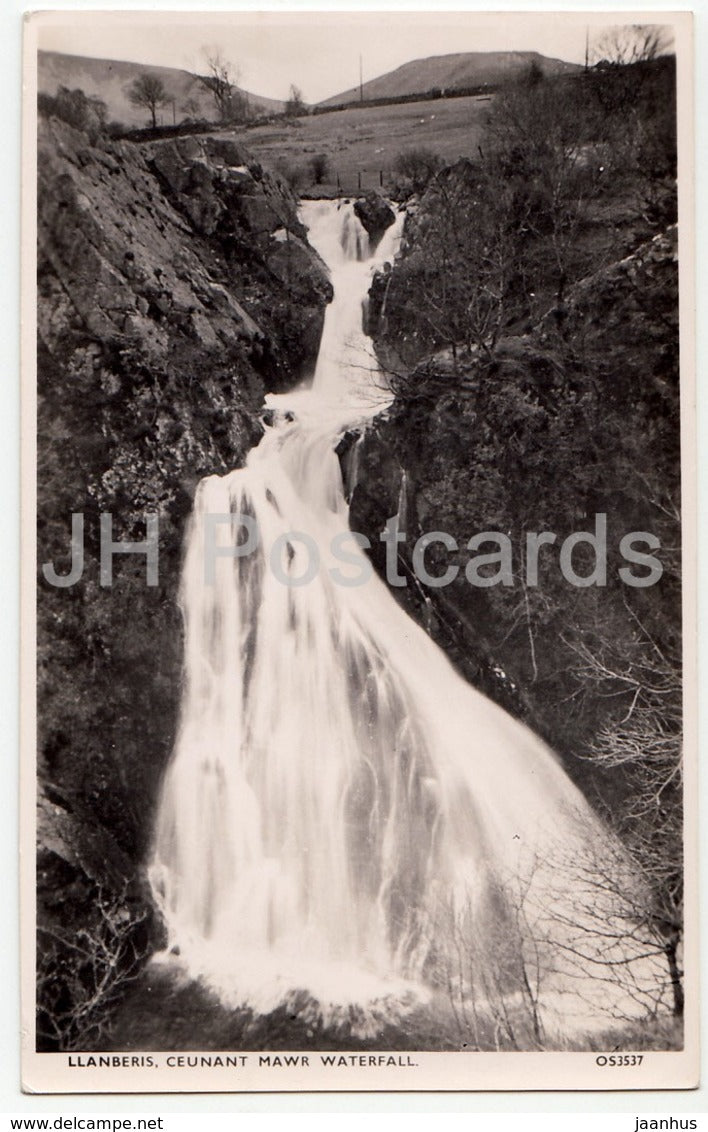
(530,329)
(175,287)
(547,403)
(576,416)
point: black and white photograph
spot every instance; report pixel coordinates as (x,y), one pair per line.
(359,552)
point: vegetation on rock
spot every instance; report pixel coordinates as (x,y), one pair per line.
(530,328)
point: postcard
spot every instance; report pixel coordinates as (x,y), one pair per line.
(359,520)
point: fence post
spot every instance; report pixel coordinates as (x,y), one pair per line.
(359,176)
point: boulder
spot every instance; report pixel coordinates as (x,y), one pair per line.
(375,215)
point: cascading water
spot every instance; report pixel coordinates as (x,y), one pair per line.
(345,822)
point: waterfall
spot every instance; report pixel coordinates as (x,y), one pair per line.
(347,368)
(345,824)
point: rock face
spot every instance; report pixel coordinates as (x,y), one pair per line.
(375,215)
(575,417)
(566,427)
(175,286)
(251,218)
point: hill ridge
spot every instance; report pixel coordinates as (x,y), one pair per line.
(109,79)
(452,71)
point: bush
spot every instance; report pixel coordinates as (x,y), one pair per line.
(416,167)
(294,175)
(83,971)
(319,168)
(76,108)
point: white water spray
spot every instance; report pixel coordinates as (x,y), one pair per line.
(345,822)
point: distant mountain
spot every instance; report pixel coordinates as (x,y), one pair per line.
(453,72)
(110,80)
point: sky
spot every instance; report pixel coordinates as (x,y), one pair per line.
(317,51)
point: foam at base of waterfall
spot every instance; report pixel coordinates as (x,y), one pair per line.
(348,1002)
(332,995)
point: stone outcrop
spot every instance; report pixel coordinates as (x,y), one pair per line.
(179,241)
(375,215)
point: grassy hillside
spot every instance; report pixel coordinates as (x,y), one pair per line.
(366,140)
(110,80)
(453,72)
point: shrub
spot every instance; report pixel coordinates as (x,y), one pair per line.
(76,108)
(417,167)
(293,174)
(319,167)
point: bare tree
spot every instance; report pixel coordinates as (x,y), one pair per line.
(497,237)
(644,745)
(220,81)
(626,44)
(295,104)
(538,139)
(491,974)
(557,952)
(82,973)
(457,279)
(191,107)
(148,91)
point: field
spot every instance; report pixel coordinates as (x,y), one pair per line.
(364,142)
